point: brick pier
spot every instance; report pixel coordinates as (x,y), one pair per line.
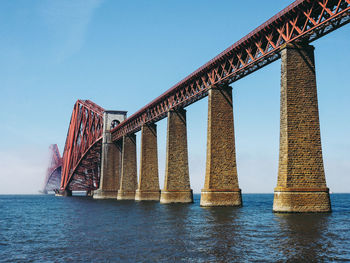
(177,181)
(149,181)
(221,182)
(128,180)
(301,185)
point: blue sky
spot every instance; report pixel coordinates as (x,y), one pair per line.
(123,54)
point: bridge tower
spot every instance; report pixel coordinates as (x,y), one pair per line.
(111,157)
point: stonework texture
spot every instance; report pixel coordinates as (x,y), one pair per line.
(149,180)
(110,172)
(177,181)
(301,178)
(221,198)
(221,182)
(301,201)
(128,180)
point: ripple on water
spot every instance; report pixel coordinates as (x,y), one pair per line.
(77,229)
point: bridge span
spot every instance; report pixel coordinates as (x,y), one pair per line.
(100,151)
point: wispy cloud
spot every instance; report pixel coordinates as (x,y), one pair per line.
(67,22)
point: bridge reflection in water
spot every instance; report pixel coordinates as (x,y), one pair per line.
(304,238)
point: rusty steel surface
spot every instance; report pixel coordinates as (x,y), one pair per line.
(81,157)
(53,173)
(303,21)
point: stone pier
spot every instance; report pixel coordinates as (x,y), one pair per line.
(177,181)
(128,180)
(301,185)
(221,182)
(111,158)
(149,181)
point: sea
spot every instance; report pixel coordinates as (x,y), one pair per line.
(45,228)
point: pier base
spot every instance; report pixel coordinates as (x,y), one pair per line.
(176,196)
(104,194)
(211,197)
(144,195)
(65,193)
(301,200)
(126,195)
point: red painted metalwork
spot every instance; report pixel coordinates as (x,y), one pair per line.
(82,151)
(302,21)
(53,172)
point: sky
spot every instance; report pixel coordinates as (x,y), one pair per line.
(123,54)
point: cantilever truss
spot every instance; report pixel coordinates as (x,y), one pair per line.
(303,21)
(82,158)
(53,172)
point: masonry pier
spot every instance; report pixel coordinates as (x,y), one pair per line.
(148,188)
(111,158)
(128,180)
(177,181)
(221,182)
(301,185)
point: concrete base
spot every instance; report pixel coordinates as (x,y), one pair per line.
(64,193)
(126,195)
(301,201)
(221,198)
(142,195)
(167,197)
(98,194)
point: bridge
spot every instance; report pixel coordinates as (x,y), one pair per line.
(53,173)
(100,151)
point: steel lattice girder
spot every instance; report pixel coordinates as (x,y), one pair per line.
(86,176)
(303,21)
(83,143)
(53,172)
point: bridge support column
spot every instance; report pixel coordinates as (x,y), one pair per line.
(301,184)
(148,182)
(110,172)
(177,181)
(128,180)
(221,182)
(110,159)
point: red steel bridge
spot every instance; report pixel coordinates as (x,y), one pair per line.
(82,151)
(301,22)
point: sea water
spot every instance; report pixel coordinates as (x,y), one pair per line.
(45,228)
